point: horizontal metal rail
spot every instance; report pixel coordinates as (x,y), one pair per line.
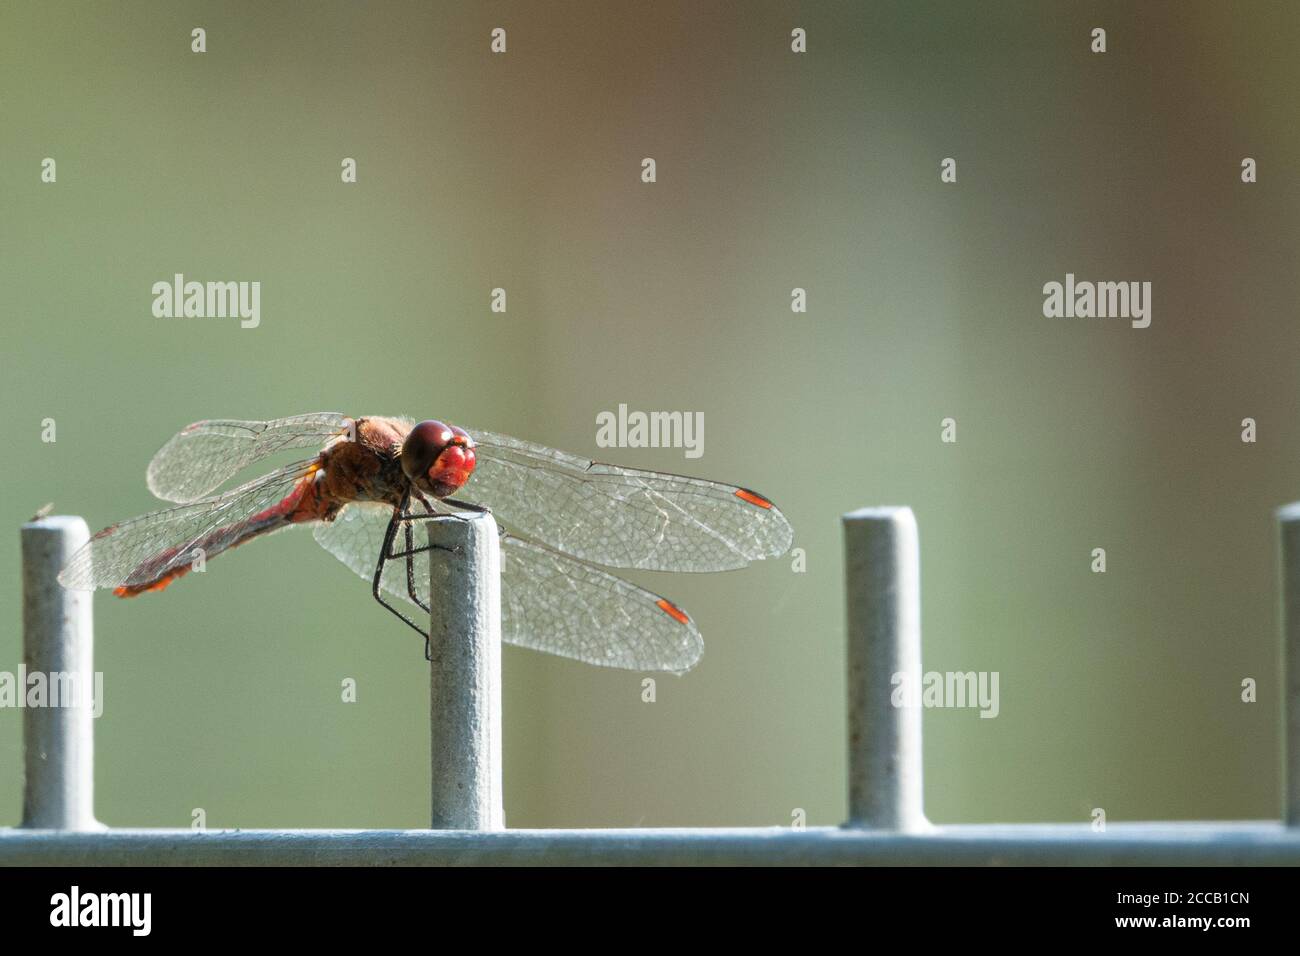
(1122,844)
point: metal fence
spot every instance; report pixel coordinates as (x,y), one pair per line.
(886,822)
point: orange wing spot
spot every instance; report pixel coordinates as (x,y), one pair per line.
(673,611)
(131,590)
(756,500)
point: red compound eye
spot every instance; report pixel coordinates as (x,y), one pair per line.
(441,455)
(423,445)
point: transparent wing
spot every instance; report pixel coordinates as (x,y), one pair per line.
(205,455)
(355,536)
(552,603)
(152,549)
(549,601)
(622,517)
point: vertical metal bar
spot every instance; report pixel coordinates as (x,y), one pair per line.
(58,654)
(883,580)
(465,673)
(1288,522)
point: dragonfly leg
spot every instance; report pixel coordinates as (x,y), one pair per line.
(468,506)
(411,551)
(408,520)
(394,555)
(376,587)
(403,519)
(410,568)
(445,515)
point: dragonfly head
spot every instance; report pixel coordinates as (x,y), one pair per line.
(438,458)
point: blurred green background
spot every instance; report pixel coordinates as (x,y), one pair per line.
(775,170)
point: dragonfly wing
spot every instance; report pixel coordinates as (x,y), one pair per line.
(623,517)
(205,455)
(553,603)
(150,548)
(549,601)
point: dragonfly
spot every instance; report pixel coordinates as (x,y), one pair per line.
(564,522)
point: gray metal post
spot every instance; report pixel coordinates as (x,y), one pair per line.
(58,737)
(465,673)
(1288,522)
(883,580)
